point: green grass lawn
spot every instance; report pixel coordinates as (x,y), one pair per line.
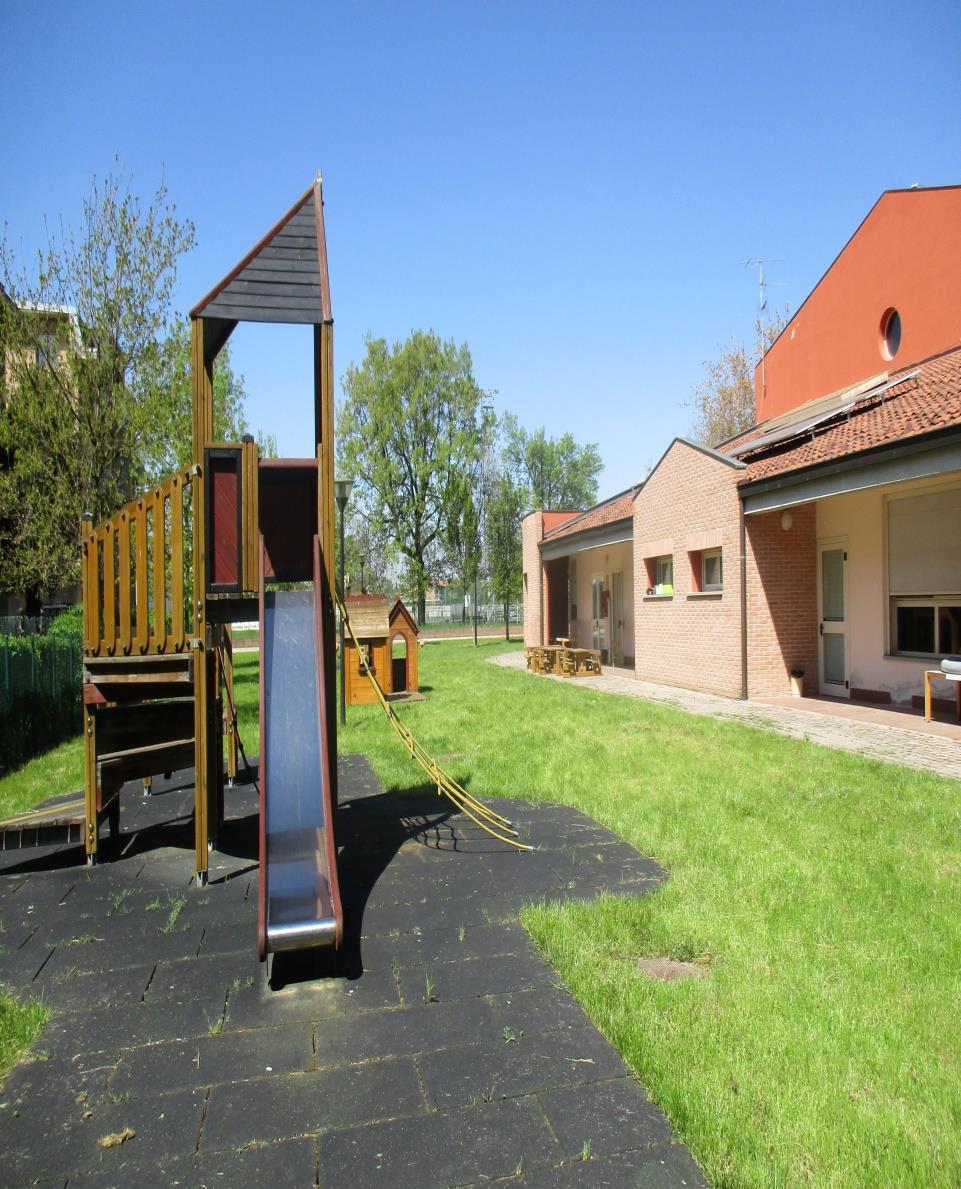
(20,1024)
(821,890)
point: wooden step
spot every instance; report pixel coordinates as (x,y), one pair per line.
(134,678)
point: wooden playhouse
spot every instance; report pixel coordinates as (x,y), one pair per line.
(389,640)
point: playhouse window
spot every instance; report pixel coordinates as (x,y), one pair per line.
(363,654)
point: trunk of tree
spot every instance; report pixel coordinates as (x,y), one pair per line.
(463,607)
(421,607)
(507,621)
(32,602)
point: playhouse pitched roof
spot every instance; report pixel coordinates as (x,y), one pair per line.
(922,399)
(399,611)
(283,278)
(618,507)
(368,615)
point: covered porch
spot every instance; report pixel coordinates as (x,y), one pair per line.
(589,596)
(879,540)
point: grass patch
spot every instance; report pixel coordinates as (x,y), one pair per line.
(59,770)
(821,890)
(176,908)
(20,1024)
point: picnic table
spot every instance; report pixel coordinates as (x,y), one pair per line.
(560,658)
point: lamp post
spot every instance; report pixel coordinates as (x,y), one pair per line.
(342,495)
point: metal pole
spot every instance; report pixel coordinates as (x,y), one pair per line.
(343,667)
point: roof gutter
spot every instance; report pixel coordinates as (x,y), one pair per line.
(612,533)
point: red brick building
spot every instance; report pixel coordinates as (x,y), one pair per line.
(826,540)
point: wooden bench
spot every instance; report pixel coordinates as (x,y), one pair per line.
(939,674)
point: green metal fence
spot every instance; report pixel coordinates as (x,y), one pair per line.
(40,683)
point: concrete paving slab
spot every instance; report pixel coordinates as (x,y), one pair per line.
(605,1117)
(310,1103)
(515,1065)
(212,1060)
(492,1140)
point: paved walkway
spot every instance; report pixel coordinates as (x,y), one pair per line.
(932,746)
(437,1050)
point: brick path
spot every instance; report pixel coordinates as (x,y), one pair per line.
(935,747)
(437,1050)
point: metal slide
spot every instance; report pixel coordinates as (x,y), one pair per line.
(299,897)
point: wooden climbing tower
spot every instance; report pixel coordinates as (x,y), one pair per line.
(166,576)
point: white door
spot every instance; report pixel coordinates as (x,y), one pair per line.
(833,598)
(617,619)
(599,616)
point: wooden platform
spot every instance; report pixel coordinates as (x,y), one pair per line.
(58,822)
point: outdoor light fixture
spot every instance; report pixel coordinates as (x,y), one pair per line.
(342,488)
(786,521)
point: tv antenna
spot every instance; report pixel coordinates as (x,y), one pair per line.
(759,262)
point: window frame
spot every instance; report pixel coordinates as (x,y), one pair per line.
(706,556)
(665,562)
(936,602)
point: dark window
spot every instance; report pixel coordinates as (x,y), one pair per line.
(916,629)
(891,333)
(949,630)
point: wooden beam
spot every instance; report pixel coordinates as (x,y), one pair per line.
(91,841)
(142,638)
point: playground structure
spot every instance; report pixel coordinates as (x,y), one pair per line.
(381,636)
(167,575)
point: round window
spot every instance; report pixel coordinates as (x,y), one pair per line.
(890,333)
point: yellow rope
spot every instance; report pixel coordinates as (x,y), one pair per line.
(495,824)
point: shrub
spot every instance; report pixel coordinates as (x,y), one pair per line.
(40,690)
(68,625)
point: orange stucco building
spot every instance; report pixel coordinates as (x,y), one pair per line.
(904,257)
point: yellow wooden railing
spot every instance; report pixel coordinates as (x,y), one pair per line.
(137,574)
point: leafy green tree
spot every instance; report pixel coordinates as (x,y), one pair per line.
(367,554)
(556,472)
(81,341)
(411,422)
(462,533)
(166,414)
(503,523)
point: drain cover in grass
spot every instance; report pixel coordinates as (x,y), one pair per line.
(669,969)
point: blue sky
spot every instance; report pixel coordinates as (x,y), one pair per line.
(569,188)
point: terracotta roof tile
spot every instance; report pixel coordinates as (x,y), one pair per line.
(919,400)
(618,507)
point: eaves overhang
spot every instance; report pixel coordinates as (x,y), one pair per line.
(917,458)
(614,533)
